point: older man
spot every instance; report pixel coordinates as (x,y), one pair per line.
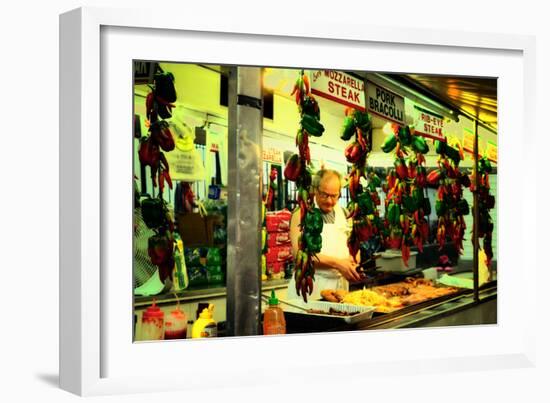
(334,267)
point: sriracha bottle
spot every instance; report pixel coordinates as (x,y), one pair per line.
(274,317)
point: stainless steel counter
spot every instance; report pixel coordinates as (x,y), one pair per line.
(454,312)
(458,309)
(202,293)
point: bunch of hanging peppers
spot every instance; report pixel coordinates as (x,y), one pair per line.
(264,242)
(298,170)
(405,205)
(362,207)
(158,104)
(486,203)
(160,247)
(154,210)
(272,188)
(450,206)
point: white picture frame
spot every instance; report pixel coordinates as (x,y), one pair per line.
(94,360)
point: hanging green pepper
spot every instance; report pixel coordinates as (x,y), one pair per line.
(365,203)
(409,204)
(393,213)
(304,179)
(440,207)
(443,148)
(484,165)
(362,120)
(418,197)
(375,180)
(311,107)
(405,135)
(311,125)
(462,207)
(419,145)
(348,128)
(312,243)
(314,222)
(389,143)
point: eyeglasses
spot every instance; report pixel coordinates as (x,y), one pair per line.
(326,196)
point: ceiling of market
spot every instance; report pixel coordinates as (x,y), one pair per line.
(474,97)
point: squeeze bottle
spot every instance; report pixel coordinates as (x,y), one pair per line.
(175,326)
(181,278)
(205,325)
(152,323)
(274,317)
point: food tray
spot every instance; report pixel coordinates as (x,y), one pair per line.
(363,312)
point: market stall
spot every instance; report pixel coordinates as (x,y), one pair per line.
(214,209)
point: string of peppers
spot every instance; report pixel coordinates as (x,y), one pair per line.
(267,204)
(450,206)
(405,205)
(264,242)
(154,210)
(362,207)
(271,189)
(298,170)
(486,203)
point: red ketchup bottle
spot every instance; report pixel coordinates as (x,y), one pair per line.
(175,326)
(152,323)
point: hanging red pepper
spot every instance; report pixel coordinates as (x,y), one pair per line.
(450,206)
(486,203)
(272,188)
(365,235)
(297,170)
(158,102)
(293,168)
(405,201)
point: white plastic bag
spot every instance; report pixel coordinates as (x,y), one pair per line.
(185,162)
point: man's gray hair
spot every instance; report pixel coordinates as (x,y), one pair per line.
(319,175)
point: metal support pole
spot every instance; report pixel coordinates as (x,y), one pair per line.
(244,202)
(476,216)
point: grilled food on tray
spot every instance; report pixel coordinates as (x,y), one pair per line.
(333,295)
(413,299)
(331,311)
(418,281)
(387,298)
(392,290)
(363,298)
(432,292)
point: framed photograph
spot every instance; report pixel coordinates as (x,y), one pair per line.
(179,139)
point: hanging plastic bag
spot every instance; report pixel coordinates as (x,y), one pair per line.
(185,162)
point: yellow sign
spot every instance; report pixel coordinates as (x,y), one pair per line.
(272,154)
(492,151)
(428,124)
(339,87)
(468,141)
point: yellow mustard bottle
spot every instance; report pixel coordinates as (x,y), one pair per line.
(205,325)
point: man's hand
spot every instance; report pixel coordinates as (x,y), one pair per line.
(348,269)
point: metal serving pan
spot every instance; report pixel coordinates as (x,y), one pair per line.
(299,307)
